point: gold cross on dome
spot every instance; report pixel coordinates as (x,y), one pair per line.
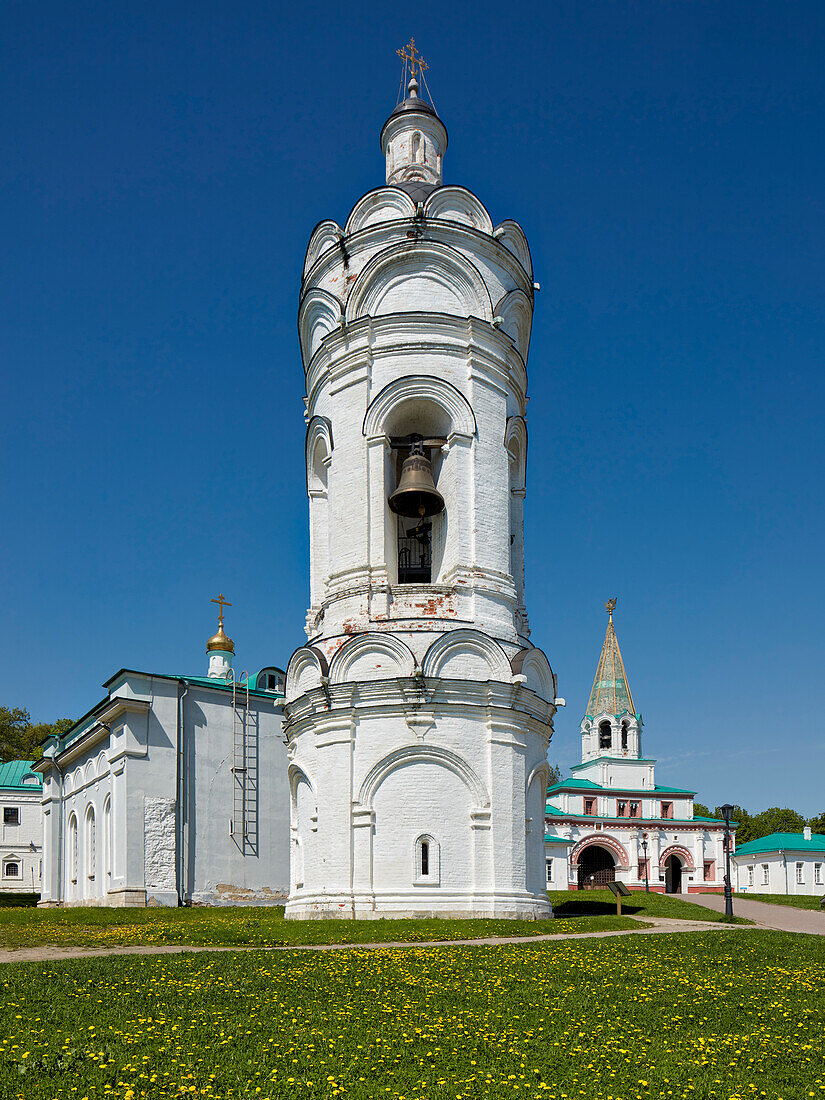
(413,57)
(610,607)
(221,601)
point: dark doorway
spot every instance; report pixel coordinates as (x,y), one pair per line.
(596,867)
(673,875)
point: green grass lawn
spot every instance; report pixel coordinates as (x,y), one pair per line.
(798,901)
(247,926)
(593,902)
(712,1015)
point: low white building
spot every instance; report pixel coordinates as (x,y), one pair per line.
(782,863)
(171,790)
(21,847)
(617,823)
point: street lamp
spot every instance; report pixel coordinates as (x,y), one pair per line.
(726,811)
(644,849)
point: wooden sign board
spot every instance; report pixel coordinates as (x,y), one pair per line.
(618,888)
(619,891)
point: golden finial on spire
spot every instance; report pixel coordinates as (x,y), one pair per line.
(610,607)
(412,58)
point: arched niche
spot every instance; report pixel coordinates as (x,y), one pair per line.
(511,235)
(371,657)
(423,754)
(441,407)
(324,236)
(540,678)
(384,204)
(318,450)
(320,314)
(421,276)
(466,655)
(516,312)
(307,667)
(457,204)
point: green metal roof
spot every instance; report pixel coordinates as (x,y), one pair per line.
(14,772)
(558,840)
(776,842)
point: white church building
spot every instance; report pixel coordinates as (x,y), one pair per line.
(170,790)
(418,714)
(611,821)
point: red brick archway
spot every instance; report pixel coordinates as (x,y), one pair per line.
(604,841)
(681,852)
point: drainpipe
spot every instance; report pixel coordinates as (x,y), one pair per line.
(785,865)
(180,780)
(59,829)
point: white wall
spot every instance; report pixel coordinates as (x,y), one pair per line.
(23,843)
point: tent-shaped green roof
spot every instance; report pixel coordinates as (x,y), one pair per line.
(610,693)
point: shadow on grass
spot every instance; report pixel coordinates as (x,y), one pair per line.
(576,908)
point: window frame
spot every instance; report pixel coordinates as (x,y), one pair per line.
(433,861)
(11,815)
(18,863)
(800,873)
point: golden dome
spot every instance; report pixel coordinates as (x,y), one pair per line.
(220,641)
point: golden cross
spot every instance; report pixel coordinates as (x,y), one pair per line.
(609,607)
(221,601)
(414,57)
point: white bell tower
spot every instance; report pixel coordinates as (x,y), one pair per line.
(418,714)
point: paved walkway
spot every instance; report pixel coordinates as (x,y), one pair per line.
(649,926)
(785,918)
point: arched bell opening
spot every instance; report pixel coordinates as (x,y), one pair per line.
(605,735)
(597,867)
(418,430)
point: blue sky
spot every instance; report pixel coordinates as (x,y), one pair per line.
(163,166)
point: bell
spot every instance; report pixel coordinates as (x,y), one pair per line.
(416,495)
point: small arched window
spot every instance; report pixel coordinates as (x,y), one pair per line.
(11,869)
(624,736)
(416,148)
(426,862)
(605,735)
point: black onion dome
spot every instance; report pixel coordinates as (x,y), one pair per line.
(413,103)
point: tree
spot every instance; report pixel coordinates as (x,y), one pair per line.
(555,776)
(701,810)
(744,823)
(20,739)
(778,819)
(818,823)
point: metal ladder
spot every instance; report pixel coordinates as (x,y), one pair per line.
(244,768)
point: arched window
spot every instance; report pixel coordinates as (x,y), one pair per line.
(90,852)
(11,869)
(416,157)
(426,862)
(107,839)
(71,843)
(605,735)
(624,736)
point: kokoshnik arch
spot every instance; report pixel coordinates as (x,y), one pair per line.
(419,714)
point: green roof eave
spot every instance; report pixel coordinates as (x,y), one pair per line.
(781,842)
